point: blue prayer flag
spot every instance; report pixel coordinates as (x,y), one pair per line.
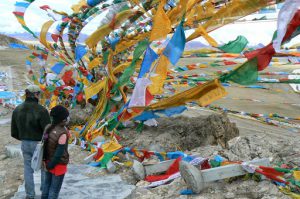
(114,42)
(28,62)
(15,45)
(176,45)
(80,51)
(22,4)
(90,77)
(146,115)
(149,57)
(57,68)
(172,111)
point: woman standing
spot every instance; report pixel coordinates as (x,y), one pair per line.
(56,156)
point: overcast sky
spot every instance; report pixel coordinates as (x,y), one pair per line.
(255,32)
(35,17)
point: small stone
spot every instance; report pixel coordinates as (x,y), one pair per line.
(142,183)
(229,195)
(21,177)
(111,167)
(139,169)
(3,156)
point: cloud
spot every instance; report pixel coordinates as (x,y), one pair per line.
(34,17)
(258,32)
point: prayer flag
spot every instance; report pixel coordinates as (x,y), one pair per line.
(161,23)
(176,45)
(57,68)
(236,46)
(149,58)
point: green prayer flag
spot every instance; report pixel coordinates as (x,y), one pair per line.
(245,74)
(201,55)
(112,124)
(105,57)
(139,50)
(106,109)
(107,157)
(215,64)
(214,163)
(140,127)
(236,46)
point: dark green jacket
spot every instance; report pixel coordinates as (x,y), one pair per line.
(29,120)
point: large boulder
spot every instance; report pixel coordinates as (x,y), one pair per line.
(79,115)
(183,133)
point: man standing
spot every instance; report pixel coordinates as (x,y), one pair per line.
(28,122)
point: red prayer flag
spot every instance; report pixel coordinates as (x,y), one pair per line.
(174,168)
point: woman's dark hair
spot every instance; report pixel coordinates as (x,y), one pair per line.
(57,114)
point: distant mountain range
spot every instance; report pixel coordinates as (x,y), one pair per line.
(25,36)
(193,45)
(6,40)
(28,37)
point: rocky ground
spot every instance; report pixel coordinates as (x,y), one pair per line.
(11,172)
(196,131)
(240,147)
(279,150)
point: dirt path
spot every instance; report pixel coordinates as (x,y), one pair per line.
(247,126)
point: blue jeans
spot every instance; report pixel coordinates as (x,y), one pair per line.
(52,185)
(28,148)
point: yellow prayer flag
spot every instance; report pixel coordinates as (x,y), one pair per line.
(43,34)
(85,81)
(212,95)
(135,1)
(126,42)
(161,23)
(94,89)
(230,13)
(21,21)
(205,93)
(95,62)
(161,74)
(121,67)
(76,7)
(296,175)
(104,30)
(112,77)
(98,35)
(176,13)
(111,146)
(209,39)
(98,110)
(53,101)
